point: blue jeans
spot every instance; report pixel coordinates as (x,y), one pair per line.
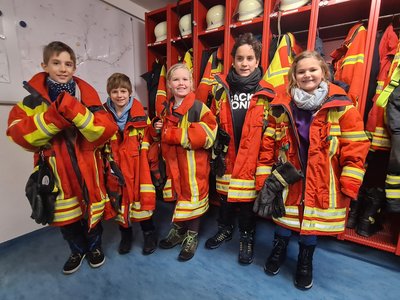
(308,240)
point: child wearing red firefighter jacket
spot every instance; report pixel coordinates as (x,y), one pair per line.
(313,152)
(64,123)
(129,148)
(188,130)
(241,104)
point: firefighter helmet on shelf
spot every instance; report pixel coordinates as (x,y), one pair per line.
(160,31)
(215,16)
(185,24)
(249,9)
(292,4)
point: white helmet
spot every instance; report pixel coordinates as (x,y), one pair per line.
(215,16)
(292,4)
(160,31)
(185,24)
(249,9)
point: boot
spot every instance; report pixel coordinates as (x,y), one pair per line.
(369,222)
(246,247)
(189,245)
(175,236)
(125,244)
(355,210)
(150,242)
(277,256)
(224,234)
(304,277)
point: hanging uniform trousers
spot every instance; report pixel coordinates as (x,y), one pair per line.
(277,71)
(238,182)
(390,100)
(335,166)
(349,61)
(129,150)
(37,125)
(187,134)
(214,66)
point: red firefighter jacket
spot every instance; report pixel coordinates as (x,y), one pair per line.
(376,124)
(36,125)
(187,133)
(129,150)
(335,167)
(238,182)
(349,61)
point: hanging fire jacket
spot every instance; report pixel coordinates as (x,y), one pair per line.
(214,66)
(151,79)
(349,61)
(129,150)
(188,59)
(238,182)
(279,67)
(161,96)
(335,167)
(187,134)
(38,125)
(376,124)
(390,100)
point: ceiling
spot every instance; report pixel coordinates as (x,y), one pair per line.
(153,4)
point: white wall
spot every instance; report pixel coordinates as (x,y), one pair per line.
(15,163)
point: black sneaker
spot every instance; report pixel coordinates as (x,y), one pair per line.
(73,263)
(224,234)
(96,258)
(150,242)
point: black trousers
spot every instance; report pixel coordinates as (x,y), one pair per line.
(228,211)
(80,239)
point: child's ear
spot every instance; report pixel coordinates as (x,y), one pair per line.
(44,67)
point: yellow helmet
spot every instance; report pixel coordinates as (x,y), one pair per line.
(292,4)
(215,16)
(185,24)
(160,31)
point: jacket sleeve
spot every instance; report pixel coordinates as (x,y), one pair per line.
(196,135)
(354,146)
(96,126)
(266,156)
(33,125)
(147,190)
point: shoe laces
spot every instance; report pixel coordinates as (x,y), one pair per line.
(75,257)
(189,242)
(221,235)
(278,249)
(96,252)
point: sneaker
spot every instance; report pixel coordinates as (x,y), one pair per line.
(96,258)
(173,238)
(150,242)
(246,247)
(73,263)
(224,234)
(189,246)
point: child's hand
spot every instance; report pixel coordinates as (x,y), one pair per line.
(158,125)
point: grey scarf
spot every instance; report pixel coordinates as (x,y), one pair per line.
(306,101)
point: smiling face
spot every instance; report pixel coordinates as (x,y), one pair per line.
(120,97)
(60,67)
(309,74)
(180,83)
(245,61)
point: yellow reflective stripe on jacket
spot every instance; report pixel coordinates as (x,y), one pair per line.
(394,83)
(263,170)
(353,173)
(355,136)
(392,179)
(190,209)
(222,183)
(353,59)
(85,124)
